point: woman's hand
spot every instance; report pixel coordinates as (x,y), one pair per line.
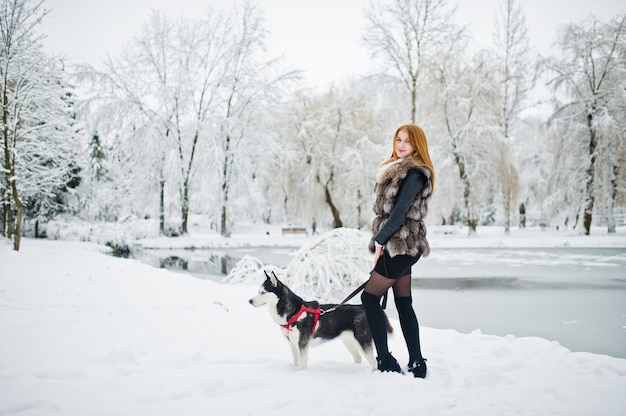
(377,253)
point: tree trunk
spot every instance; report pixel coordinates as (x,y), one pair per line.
(186,175)
(471,221)
(223,221)
(337,223)
(5,212)
(225,190)
(522,215)
(6,197)
(507,219)
(9,223)
(162,207)
(471,224)
(414,100)
(17,238)
(225,195)
(20,215)
(333,209)
(612,228)
(224,217)
(589,195)
(13,228)
(185,207)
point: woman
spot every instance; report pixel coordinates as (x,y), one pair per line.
(404,185)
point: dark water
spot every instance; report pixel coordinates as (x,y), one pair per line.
(576,296)
(211,264)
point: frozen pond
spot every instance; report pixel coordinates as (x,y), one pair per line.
(575,296)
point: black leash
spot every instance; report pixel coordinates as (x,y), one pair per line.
(356,291)
(384,304)
(353,294)
(350,296)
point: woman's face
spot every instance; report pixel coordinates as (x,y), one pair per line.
(403,147)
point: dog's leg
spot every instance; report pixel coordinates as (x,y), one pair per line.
(304,357)
(368,353)
(365,347)
(294,354)
(364,340)
(352,345)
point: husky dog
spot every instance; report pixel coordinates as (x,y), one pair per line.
(306,324)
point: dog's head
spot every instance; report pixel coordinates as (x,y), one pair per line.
(269,292)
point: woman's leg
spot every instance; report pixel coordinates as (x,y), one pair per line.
(409,324)
(408,319)
(376,286)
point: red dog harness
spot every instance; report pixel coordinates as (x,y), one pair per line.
(316,316)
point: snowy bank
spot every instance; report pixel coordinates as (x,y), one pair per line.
(438,236)
(84,333)
(143,234)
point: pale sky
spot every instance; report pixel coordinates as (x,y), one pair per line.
(321,37)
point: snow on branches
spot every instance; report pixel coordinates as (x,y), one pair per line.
(326,268)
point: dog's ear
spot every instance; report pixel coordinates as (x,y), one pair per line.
(273,279)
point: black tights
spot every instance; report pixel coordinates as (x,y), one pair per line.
(375,288)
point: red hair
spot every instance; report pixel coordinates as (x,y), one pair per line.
(418,141)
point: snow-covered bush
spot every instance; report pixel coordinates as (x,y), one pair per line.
(327,268)
(114,234)
(331,267)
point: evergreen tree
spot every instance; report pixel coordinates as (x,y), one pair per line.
(96,158)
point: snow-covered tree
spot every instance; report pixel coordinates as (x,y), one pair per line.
(250,88)
(589,81)
(465,124)
(152,102)
(104,187)
(331,152)
(513,65)
(50,169)
(127,112)
(192,93)
(38,140)
(410,36)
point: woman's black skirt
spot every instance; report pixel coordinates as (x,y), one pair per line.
(395,267)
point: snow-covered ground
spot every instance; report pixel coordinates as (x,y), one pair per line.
(83,333)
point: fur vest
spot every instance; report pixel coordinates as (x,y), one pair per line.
(410,239)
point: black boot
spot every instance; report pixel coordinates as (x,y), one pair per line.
(418,368)
(388,363)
